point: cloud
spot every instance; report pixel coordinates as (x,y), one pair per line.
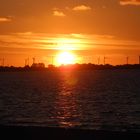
(81,8)
(130,2)
(23,33)
(58,13)
(5,19)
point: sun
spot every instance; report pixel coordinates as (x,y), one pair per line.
(65,58)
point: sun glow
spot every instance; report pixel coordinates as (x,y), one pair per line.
(67,44)
(65,58)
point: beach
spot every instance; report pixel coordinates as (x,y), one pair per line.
(39,133)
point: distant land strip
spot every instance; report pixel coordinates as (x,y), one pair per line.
(70,67)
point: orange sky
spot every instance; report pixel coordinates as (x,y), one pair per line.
(89,28)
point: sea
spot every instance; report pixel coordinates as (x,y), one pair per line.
(82,99)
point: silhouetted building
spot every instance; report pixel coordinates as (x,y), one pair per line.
(38,65)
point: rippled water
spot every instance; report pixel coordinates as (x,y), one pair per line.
(104,99)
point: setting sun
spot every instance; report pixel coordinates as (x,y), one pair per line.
(65,58)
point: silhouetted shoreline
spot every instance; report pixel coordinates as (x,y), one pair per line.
(39,133)
(70,67)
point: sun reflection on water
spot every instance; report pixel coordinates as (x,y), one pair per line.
(67,108)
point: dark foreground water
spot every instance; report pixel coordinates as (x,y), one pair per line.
(104,99)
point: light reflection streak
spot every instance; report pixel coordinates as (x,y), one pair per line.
(67,108)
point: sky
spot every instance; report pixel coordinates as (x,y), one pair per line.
(89,28)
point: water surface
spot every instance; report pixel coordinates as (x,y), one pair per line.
(102,99)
